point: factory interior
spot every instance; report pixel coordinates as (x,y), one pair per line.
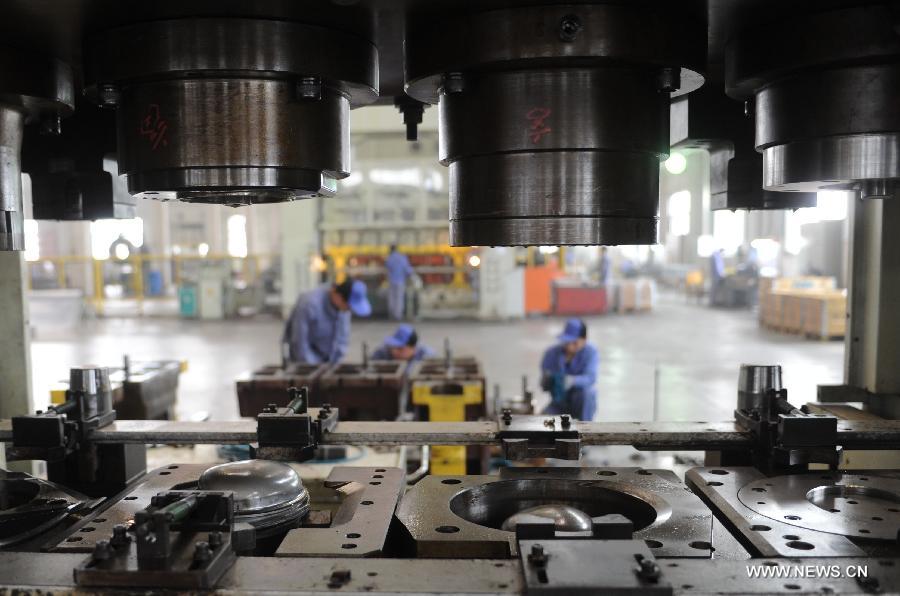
(449,297)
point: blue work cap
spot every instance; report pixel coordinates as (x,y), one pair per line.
(573,331)
(358,300)
(401,337)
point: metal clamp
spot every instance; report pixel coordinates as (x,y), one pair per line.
(526,437)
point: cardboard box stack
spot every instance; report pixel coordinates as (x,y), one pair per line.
(810,305)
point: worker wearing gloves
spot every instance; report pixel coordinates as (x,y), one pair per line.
(403,344)
(318,329)
(569,372)
(398,271)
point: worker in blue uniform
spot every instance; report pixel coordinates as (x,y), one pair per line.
(398,271)
(569,373)
(318,329)
(403,344)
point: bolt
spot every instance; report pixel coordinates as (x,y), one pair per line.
(202,552)
(648,570)
(550,422)
(566,420)
(270,408)
(51,125)
(669,79)
(869,584)
(309,88)
(537,557)
(453,83)
(215,539)
(108,95)
(102,551)
(569,26)
(120,536)
(507,416)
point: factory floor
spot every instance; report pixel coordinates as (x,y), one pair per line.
(683,356)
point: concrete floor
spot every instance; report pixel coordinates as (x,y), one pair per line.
(687,355)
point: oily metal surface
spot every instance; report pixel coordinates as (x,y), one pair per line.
(213,137)
(462,515)
(12,223)
(862,505)
(554,198)
(359,528)
(531,34)
(565,518)
(761,535)
(223,46)
(832,162)
(594,109)
(266,493)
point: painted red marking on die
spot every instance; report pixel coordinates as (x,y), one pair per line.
(154,127)
(538,127)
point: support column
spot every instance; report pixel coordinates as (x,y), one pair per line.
(15,345)
(300,243)
(872,341)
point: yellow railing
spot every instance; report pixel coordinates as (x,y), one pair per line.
(250,269)
(340,255)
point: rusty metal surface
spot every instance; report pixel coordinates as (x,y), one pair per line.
(684,436)
(450,517)
(360,526)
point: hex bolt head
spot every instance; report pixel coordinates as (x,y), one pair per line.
(202,552)
(537,557)
(108,95)
(102,552)
(569,26)
(566,420)
(453,83)
(669,79)
(215,539)
(120,536)
(309,88)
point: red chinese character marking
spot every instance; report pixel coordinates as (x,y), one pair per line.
(154,127)
(538,128)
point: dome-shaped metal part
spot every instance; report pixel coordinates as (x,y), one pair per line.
(266,493)
(565,518)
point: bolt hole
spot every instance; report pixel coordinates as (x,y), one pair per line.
(792,517)
(374,483)
(760,528)
(701,545)
(718,472)
(74,539)
(790,537)
(372,573)
(164,473)
(130,499)
(446,529)
(792,586)
(367,502)
(713,483)
(451,481)
(864,531)
(606,473)
(348,545)
(653,543)
(353,535)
